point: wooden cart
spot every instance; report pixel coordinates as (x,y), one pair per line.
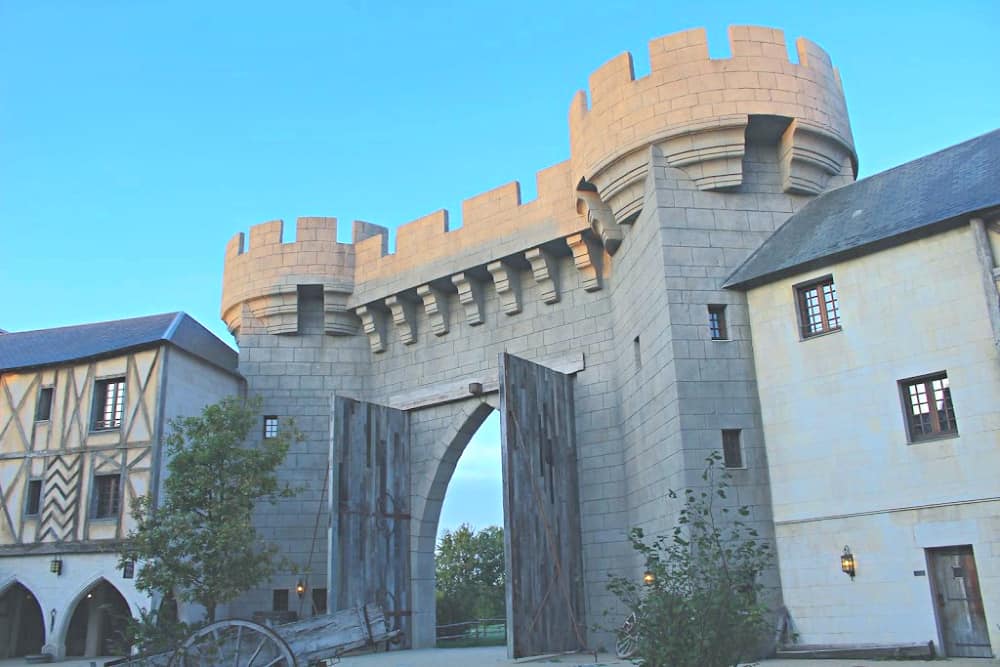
(240,643)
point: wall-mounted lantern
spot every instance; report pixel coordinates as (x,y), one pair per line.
(847,562)
(55,565)
(648,578)
(300,588)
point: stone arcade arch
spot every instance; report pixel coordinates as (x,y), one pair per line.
(22,624)
(93,621)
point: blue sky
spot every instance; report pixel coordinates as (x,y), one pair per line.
(137,137)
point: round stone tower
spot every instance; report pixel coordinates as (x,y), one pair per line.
(696,111)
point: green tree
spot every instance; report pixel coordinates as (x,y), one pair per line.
(198,542)
(705,606)
(470,574)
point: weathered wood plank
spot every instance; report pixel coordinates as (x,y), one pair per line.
(545,602)
(370,548)
(333,634)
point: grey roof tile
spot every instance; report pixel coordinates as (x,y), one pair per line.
(880,210)
(27,349)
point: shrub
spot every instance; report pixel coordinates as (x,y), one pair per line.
(705,606)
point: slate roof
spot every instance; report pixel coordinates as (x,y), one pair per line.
(892,207)
(43,347)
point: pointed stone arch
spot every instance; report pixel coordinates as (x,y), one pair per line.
(22,622)
(96,584)
(463,424)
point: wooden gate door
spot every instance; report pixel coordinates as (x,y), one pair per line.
(545,602)
(959,604)
(370,514)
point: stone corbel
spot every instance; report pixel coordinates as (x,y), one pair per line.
(599,216)
(508,286)
(373,323)
(278,309)
(546,272)
(436,307)
(337,319)
(404,317)
(809,156)
(470,294)
(587,257)
(711,153)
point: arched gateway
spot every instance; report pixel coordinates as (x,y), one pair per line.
(584,314)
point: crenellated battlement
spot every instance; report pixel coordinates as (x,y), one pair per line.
(693,109)
(265,276)
(696,110)
(495,224)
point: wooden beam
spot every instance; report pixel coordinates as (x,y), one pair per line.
(457,390)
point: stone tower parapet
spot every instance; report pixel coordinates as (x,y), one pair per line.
(696,109)
(265,276)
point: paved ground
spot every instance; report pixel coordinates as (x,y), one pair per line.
(496,656)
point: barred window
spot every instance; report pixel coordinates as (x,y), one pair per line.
(818,309)
(928,407)
(717,322)
(107,496)
(271,426)
(109,403)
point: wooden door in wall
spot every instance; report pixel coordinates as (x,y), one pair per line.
(544,564)
(370,515)
(958,602)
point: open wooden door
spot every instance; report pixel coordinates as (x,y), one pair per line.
(544,565)
(370,514)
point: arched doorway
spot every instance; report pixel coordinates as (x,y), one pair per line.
(469,552)
(22,626)
(98,622)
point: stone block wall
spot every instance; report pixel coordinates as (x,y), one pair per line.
(615,262)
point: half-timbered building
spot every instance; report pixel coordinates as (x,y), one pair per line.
(83,410)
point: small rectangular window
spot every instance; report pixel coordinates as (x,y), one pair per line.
(109,403)
(717,322)
(33,502)
(107,496)
(43,408)
(270,426)
(732,450)
(819,311)
(319,600)
(279,599)
(928,407)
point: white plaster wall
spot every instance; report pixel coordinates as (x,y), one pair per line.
(842,470)
(62,592)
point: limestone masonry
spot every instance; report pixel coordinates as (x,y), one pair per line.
(673,180)
(703,275)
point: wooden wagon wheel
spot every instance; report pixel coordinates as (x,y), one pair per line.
(628,638)
(234,643)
